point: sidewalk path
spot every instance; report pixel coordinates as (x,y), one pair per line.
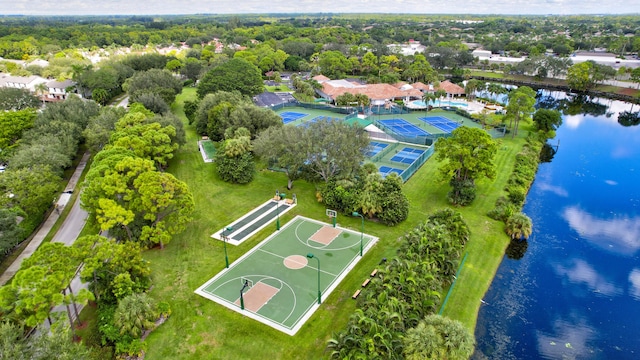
(48,223)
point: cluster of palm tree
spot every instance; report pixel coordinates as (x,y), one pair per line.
(406,290)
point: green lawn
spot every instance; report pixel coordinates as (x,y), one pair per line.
(279,88)
(199,328)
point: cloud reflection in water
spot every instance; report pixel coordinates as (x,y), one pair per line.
(621,235)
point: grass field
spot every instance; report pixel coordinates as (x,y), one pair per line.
(287,295)
(199,328)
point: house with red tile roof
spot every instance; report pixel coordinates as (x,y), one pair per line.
(378,93)
(451,89)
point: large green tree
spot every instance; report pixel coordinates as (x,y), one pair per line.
(284,148)
(151,141)
(12,126)
(165,203)
(236,74)
(234,160)
(202,115)
(17,99)
(334,149)
(106,260)
(10,233)
(547,120)
(466,156)
(31,190)
(520,107)
(578,76)
(57,344)
(154,81)
(334,64)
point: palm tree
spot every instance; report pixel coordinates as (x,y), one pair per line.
(42,89)
(440,94)
(135,314)
(519,226)
(438,337)
(428,97)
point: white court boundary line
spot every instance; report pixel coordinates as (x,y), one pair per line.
(306,315)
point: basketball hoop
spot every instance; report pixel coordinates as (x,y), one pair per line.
(333,215)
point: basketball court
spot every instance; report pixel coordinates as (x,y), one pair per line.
(277,282)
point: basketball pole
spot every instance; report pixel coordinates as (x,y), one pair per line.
(244,286)
(224,238)
(311,256)
(277,210)
(355,213)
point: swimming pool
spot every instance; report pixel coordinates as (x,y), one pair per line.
(436,103)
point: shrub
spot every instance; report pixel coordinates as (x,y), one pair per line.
(341,197)
(462,193)
(517,195)
(503,209)
(238,170)
(395,209)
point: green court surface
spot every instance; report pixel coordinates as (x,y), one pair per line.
(284,278)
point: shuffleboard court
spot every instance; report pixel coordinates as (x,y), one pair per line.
(277,281)
(243,228)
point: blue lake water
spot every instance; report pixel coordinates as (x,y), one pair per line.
(575,294)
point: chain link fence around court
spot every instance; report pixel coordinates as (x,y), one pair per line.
(349,112)
(383,158)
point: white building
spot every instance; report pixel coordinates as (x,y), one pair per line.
(21,82)
(410,48)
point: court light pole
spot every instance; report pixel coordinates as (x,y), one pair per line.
(224,239)
(277,210)
(311,256)
(355,213)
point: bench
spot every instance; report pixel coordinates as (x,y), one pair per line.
(374,272)
(356,294)
(288,201)
(366,282)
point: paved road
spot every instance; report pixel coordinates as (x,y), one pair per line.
(46,226)
(72,225)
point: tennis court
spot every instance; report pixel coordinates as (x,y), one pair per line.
(404,128)
(277,282)
(386,170)
(441,123)
(375,148)
(407,155)
(320,118)
(289,116)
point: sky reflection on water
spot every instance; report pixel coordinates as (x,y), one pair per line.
(576,292)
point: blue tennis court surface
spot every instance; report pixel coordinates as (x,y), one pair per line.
(441,123)
(407,155)
(403,127)
(289,116)
(375,147)
(320,118)
(386,170)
